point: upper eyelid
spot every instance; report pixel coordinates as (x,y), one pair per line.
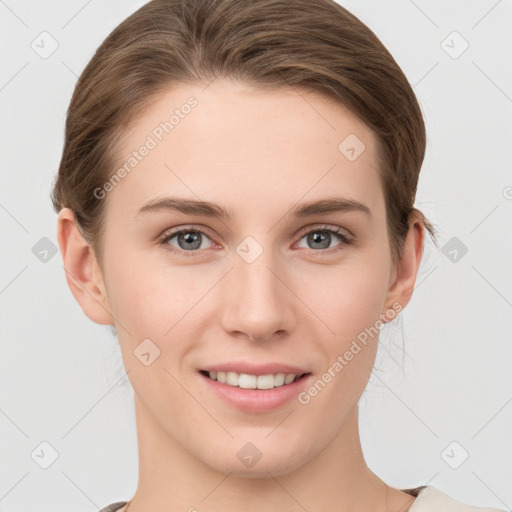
(172,233)
(324,227)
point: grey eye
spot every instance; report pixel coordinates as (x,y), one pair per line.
(188,240)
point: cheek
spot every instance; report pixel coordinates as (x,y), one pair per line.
(352,310)
(149,297)
(352,299)
(155,305)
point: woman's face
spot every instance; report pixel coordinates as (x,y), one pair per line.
(253,293)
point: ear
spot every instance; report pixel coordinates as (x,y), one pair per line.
(404,275)
(83,274)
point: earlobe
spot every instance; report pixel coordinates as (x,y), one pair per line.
(80,266)
(402,287)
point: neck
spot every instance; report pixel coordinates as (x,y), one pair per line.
(337,478)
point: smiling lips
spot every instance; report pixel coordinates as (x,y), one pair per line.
(250,376)
(247,381)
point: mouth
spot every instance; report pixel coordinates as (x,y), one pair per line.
(256,382)
(253,393)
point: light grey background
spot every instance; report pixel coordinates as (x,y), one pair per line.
(61,378)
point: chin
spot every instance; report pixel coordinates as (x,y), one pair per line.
(271,464)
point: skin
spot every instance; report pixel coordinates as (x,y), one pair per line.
(257,153)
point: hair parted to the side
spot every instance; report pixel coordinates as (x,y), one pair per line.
(315,45)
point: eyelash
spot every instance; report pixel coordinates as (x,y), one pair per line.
(323,229)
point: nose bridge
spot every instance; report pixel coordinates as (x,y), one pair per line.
(257,302)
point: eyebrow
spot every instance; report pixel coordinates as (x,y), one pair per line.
(208,209)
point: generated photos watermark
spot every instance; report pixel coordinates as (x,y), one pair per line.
(343,360)
(152,140)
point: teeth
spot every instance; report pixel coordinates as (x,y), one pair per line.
(246,381)
(232,378)
(289,378)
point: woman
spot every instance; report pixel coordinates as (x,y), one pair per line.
(210,147)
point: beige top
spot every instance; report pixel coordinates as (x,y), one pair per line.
(431,499)
(428,499)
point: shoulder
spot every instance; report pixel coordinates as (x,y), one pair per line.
(113,506)
(428,499)
(431,499)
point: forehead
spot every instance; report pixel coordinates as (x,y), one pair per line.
(244,148)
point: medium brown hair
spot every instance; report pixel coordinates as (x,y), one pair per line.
(310,44)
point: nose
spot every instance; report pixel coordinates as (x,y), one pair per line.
(257,303)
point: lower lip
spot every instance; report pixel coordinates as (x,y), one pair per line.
(256,400)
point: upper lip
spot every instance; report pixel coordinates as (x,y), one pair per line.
(255,369)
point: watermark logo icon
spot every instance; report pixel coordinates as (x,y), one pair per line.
(454,45)
(146,352)
(44,250)
(249,455)
(351,147)
(44,455)
(44,45)
(249,249)
(454,249)
(455,455)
